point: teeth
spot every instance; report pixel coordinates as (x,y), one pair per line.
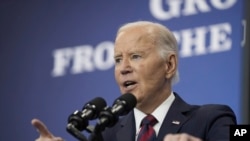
(128,83)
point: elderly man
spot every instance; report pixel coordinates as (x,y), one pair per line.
(146,62)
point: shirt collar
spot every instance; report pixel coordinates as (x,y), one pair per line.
(159,113)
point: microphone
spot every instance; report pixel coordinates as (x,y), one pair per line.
(121,106)
(91,110)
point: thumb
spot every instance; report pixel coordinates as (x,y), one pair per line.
(41,128)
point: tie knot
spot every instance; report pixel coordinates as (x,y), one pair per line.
(149,120)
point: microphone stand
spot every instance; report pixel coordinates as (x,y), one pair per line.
(96,135)
(106,119)
(75,132)
(76,124)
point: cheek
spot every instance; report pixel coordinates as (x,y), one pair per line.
(152,74)
(116,74)
(144,72)
(148,70)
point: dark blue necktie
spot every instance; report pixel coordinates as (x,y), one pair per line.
(147,132)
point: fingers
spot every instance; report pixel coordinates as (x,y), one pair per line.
(58,139)
(181,137)
(41,128)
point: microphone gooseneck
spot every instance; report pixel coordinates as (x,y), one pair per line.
(121,106)
(107,116)
(90,111)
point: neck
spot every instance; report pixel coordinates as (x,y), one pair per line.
(150,105)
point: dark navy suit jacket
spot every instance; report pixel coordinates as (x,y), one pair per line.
(208,122)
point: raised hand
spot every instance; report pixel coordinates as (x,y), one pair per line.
(45,134)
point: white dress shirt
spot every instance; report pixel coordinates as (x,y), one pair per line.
(159,113)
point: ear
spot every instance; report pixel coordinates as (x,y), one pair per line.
(171,65)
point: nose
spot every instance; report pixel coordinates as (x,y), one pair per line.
(125,67)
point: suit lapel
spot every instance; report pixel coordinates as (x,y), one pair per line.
(174,118)
(127,128)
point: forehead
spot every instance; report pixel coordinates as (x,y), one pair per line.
(135,39)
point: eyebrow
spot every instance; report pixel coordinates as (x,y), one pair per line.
(131,52)
(118,55)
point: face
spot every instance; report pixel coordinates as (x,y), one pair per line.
(139,68)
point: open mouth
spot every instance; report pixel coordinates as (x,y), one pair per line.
(128,84)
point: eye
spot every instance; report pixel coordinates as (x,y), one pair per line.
(136,56)
(117,60)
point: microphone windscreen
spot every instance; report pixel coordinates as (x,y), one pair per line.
(129,101)
(98,104)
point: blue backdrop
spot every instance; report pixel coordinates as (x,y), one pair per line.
(57,55)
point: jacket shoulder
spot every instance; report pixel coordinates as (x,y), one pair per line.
(211,112)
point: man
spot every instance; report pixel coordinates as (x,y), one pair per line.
(146,60)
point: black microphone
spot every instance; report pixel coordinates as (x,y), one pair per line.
(90,111)
(121,106)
